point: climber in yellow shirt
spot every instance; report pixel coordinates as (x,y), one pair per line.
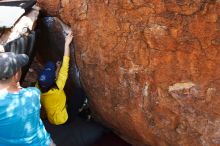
(53,97)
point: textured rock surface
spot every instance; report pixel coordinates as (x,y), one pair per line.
(150,67)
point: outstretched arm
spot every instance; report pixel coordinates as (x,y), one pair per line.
(63,73)
(68,40)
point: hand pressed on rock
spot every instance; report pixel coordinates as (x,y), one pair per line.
(68,39)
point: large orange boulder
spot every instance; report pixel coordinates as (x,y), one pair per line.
(151,68)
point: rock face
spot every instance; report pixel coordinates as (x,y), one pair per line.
(151,68)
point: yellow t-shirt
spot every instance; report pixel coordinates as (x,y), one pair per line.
(54,101)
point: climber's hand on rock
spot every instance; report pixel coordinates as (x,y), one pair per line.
(68,39)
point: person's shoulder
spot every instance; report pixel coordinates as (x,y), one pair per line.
(31,95)
(31,91)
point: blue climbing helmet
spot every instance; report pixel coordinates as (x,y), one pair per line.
(47,76)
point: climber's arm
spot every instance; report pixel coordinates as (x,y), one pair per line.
(63,73)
